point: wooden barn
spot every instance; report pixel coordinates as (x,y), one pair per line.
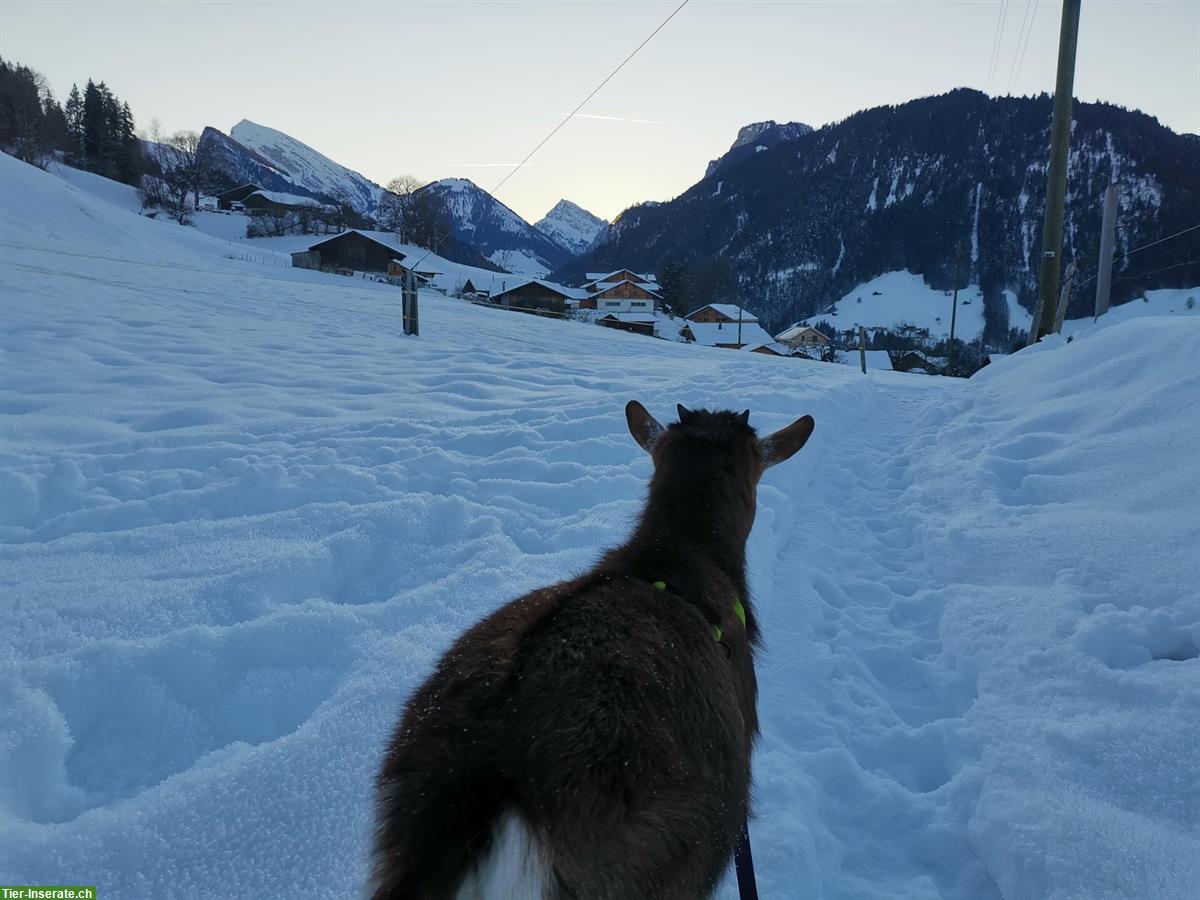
(535,295)
(226,199)
(277,203)
(635,323)
(362,251)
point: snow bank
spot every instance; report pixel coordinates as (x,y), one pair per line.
(241,515)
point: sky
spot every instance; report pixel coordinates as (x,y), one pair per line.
(467,89)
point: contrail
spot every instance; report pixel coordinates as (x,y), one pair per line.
(624,119)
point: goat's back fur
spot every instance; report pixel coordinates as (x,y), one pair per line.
(600,715)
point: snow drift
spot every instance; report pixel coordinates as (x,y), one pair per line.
(242,515)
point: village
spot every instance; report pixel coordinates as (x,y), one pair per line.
(622,299)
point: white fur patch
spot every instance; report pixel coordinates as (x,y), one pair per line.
(513,869)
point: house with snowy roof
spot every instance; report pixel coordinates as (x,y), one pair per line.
(278,202)
(538,296)
(227,199)
(636,323)
(360,250)
(801,335)
(723,313)
(594,278)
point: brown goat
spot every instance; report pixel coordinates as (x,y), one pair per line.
(591,740)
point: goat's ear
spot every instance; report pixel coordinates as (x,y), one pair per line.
(785,442)
(643,426)
(745,417)
(683,411)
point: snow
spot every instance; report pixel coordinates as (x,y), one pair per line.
(518,262)
(709,334)
(730,311)
(571,227)
(907,299)
(877,360)
(287,199)
(309,168)
(241,515)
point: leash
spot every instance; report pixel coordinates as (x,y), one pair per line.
(743,863)
(743,860)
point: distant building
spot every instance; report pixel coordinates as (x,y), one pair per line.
(646,279)
(535,295)
(622,296)
(801,336)
(425,272)
(636,323)
(360,251)
(276,202)
(771,349)
(227,199)
(725,334)
(722,313)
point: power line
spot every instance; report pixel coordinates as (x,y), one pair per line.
(997,40)
(1154,243)
(1024,47)
(595,91)
(582,103)
(1022,43)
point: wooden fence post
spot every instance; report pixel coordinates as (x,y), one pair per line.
(862,347)
(1064,298)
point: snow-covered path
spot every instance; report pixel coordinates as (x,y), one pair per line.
(241,516)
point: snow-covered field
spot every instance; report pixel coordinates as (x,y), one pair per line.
(242,514)
(902,298)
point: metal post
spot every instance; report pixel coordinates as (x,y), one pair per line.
(1056,179)
(862,347)
(954,308)
(1107,239)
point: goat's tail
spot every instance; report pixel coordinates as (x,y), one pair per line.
(432,833)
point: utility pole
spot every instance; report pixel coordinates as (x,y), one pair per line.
(1056,180)
(740,326)
(1107,240)
(954,307)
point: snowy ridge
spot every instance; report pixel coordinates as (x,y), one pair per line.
(308,167)
(482,221)
(571,227)
(241,515)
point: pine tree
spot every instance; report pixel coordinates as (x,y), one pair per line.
(93,127)
(74,115)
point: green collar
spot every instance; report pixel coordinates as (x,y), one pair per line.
(738,609)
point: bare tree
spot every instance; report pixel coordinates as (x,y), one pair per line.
(395,206)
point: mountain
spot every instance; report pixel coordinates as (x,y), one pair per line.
(895,188)
(571,227)
(308,168)
(756,137)
(502,236)
(241,165)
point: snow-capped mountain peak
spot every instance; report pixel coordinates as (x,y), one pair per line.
(500,234)
(307,167)
(571,227)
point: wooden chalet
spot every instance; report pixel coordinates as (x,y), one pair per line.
(277,203)
(535,295)
(470,290)
(226,199)
(635,323)
(399,268)
(622,296)
(643,278)
(722,313)
(801,336)
(361,251)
